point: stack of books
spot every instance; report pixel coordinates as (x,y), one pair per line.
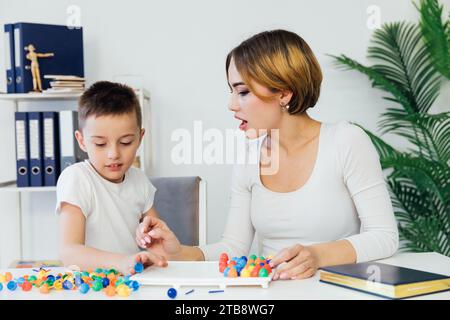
(65,84)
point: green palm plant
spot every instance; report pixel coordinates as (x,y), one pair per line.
(411,63)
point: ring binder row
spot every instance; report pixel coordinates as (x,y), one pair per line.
(66,45)
(45,145)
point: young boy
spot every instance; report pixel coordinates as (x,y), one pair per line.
(101,201)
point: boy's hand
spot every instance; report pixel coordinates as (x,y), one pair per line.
(153,233)
(147,258)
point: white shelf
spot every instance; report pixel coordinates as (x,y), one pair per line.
(38,96)
(12,187)
(35,96)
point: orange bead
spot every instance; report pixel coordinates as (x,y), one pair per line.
(232,273)
(255,271)
(8,276)
(110,291)
(44,289)
(111,276)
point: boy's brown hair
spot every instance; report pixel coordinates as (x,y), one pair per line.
(108,98)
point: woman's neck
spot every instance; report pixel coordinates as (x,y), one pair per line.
(295,131)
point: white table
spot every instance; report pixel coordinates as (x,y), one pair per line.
(308,289)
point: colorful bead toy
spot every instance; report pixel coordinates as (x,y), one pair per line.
(244,267)
(108,281)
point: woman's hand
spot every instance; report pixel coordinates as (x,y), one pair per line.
(154,234)
(301,263)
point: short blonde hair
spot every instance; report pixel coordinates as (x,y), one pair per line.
(279,60)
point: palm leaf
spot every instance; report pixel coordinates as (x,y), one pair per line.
(429,132)
(436,34)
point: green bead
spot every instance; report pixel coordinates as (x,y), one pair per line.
(119,281)
(85,274)
(262,258)
(252,264)
(97,286)
(253,257)
(49,282)
(98,270)
(112,271)
(32,278)
(263,273)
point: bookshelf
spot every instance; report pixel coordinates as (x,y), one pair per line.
(144,152)
(15,232)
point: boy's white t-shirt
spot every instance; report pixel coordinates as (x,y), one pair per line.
(112,210)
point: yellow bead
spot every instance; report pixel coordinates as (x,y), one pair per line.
(123,290)
(57,284)
(245,273)
(2,278)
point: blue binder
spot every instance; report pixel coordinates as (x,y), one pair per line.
(70,150)
(51,148)
(65,43)
(9,59)
(22,149)
(35,131)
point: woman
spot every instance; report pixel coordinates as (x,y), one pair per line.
(326,203)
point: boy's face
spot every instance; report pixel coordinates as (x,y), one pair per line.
(111,143)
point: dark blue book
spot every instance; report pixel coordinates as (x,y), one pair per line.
(66,44)
(385,280)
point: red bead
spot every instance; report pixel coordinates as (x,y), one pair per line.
(222,267)
(26,286)
(223,256)
(255,271)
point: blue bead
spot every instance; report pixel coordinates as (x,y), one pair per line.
(67,285)
(225,272)
(261,264)
(20,280)
(134,285)
(138,267)
(84,288)
(78,281)
(244,258)
(12,285)
(1,286)
(51,277)
(105,282)
(172,293)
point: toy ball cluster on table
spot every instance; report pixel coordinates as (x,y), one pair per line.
(109,281)
(244,267)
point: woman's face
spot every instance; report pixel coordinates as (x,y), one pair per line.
(256,115)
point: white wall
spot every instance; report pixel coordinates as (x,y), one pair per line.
(179,48)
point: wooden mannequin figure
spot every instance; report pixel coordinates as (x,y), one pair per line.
(33,57)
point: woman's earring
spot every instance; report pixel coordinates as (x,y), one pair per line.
(284,107)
